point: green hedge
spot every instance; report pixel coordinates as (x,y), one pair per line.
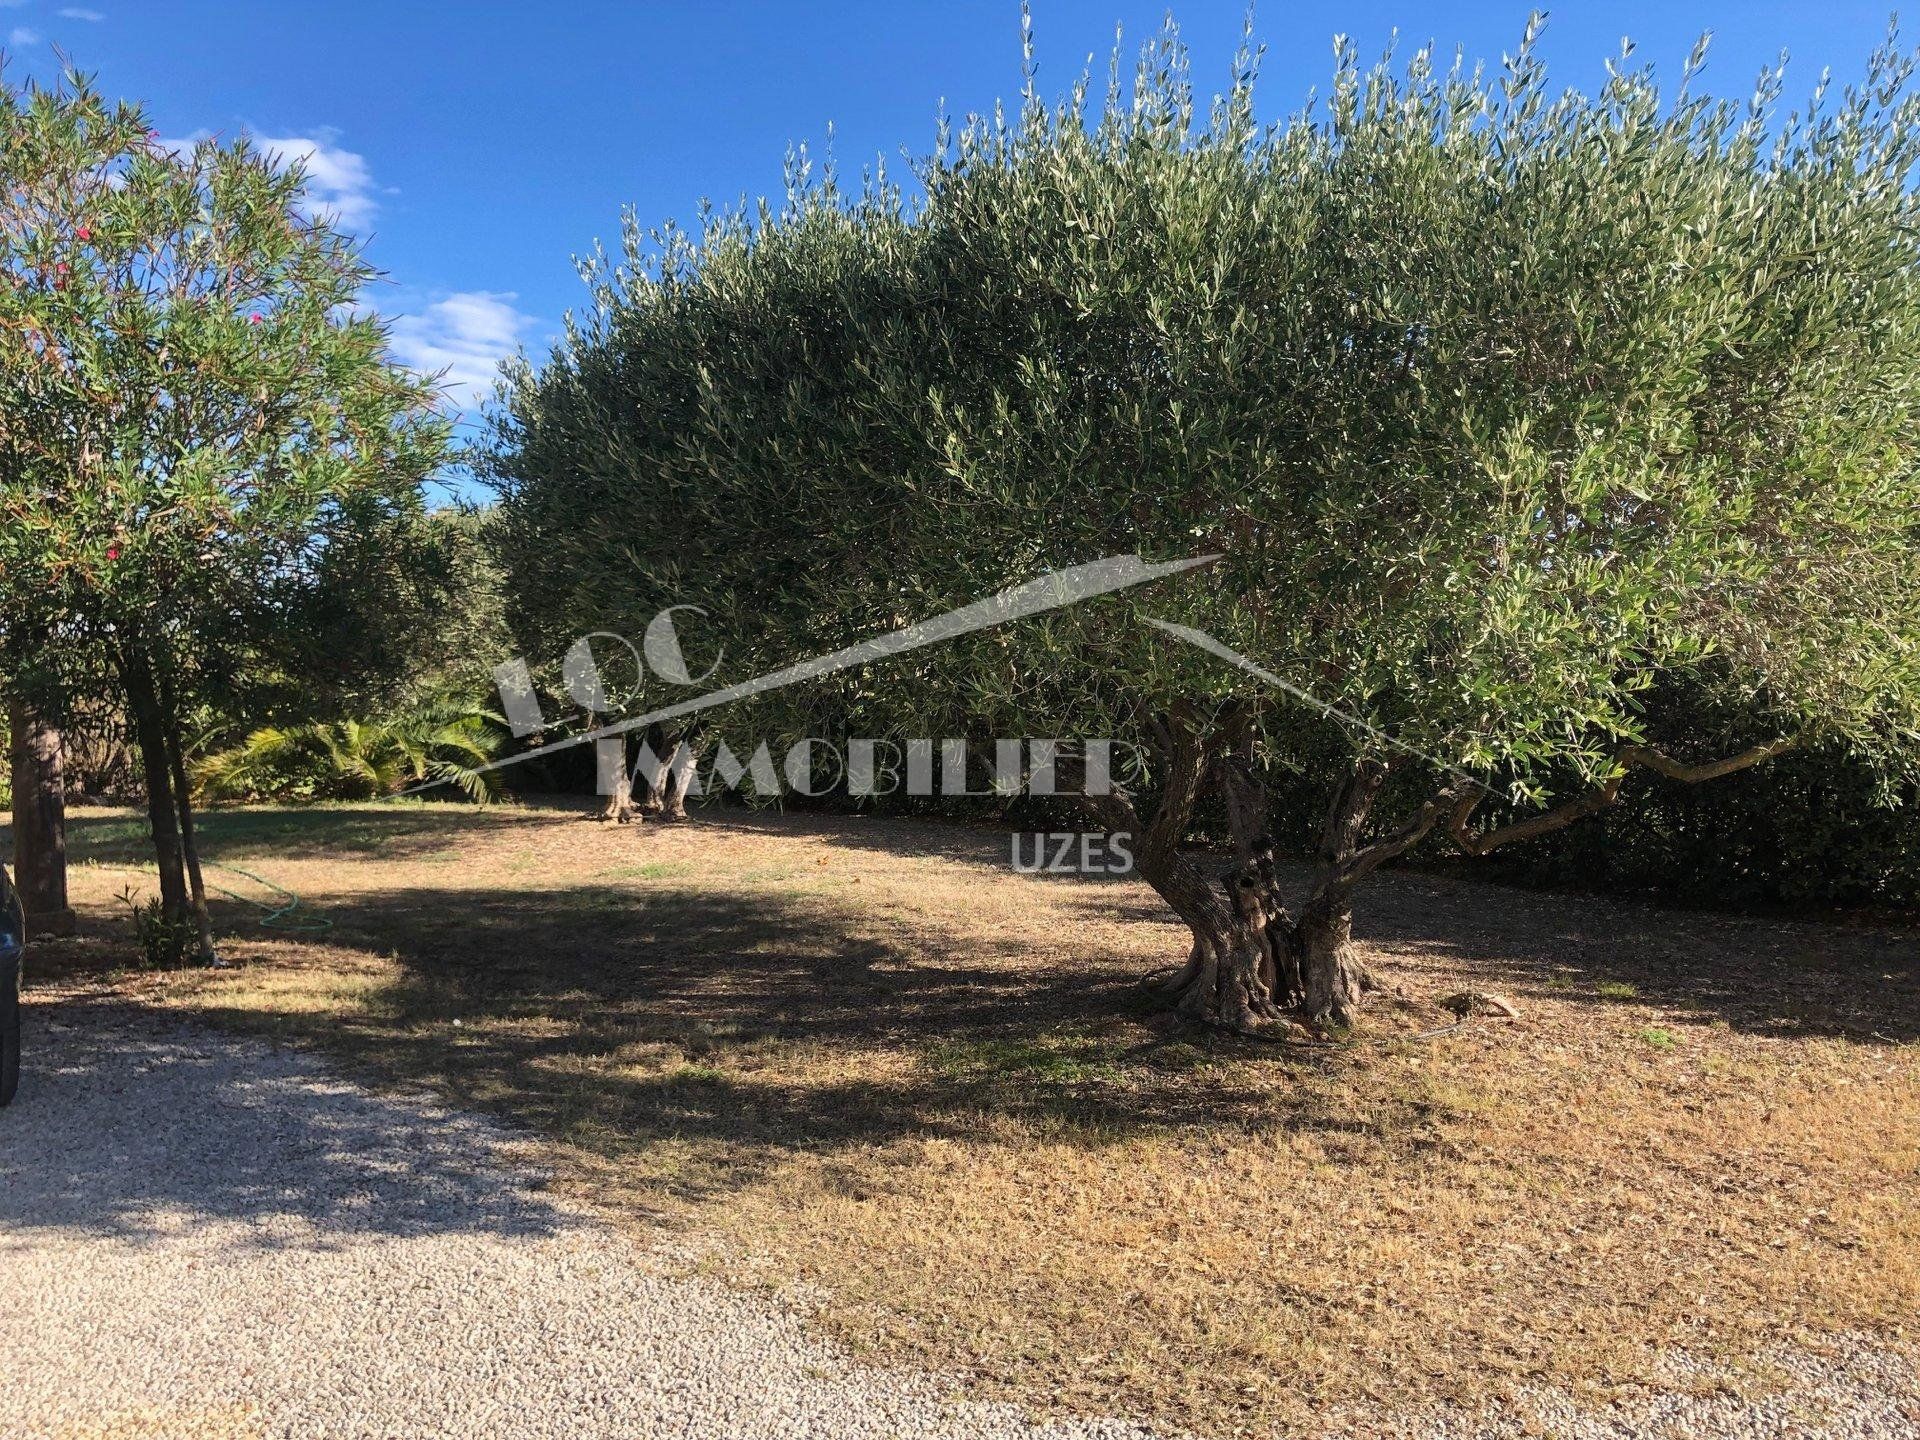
(1806,828)
(1812,827)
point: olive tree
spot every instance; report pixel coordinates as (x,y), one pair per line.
(193,406)
(1497,407)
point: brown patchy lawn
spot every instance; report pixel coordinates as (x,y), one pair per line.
(863,1056)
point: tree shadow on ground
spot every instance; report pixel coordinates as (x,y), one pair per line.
(740,1031)
(706,1035)
(1757,974)
(729,1029)
(132,1127)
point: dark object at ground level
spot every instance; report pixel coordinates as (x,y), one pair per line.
(12,944)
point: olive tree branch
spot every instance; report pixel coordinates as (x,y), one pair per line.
(1607,793)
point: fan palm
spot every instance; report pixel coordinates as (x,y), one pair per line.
(441,739)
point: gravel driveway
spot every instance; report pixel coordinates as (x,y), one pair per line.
(201,1235)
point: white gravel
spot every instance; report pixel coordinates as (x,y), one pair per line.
(204,1236)
(201,1235)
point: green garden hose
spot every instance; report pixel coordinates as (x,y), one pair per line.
(272,917)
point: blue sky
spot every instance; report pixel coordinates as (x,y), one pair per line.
(479,146)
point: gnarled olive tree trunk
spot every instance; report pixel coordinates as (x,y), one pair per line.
(677,753)
(1333,978)
(616,774)
(1252,962)
(1230,973)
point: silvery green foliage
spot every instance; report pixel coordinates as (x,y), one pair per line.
(1499,403)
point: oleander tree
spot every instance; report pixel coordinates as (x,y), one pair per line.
(1501,410)
(194,408)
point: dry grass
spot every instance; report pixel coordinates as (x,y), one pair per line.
(865,1057)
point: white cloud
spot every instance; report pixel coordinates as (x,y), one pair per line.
(78,12)
(339,182)
(21,35)
(467,335)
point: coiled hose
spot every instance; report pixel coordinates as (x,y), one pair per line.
(279,917)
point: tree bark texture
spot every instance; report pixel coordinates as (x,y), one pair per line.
(39,824)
